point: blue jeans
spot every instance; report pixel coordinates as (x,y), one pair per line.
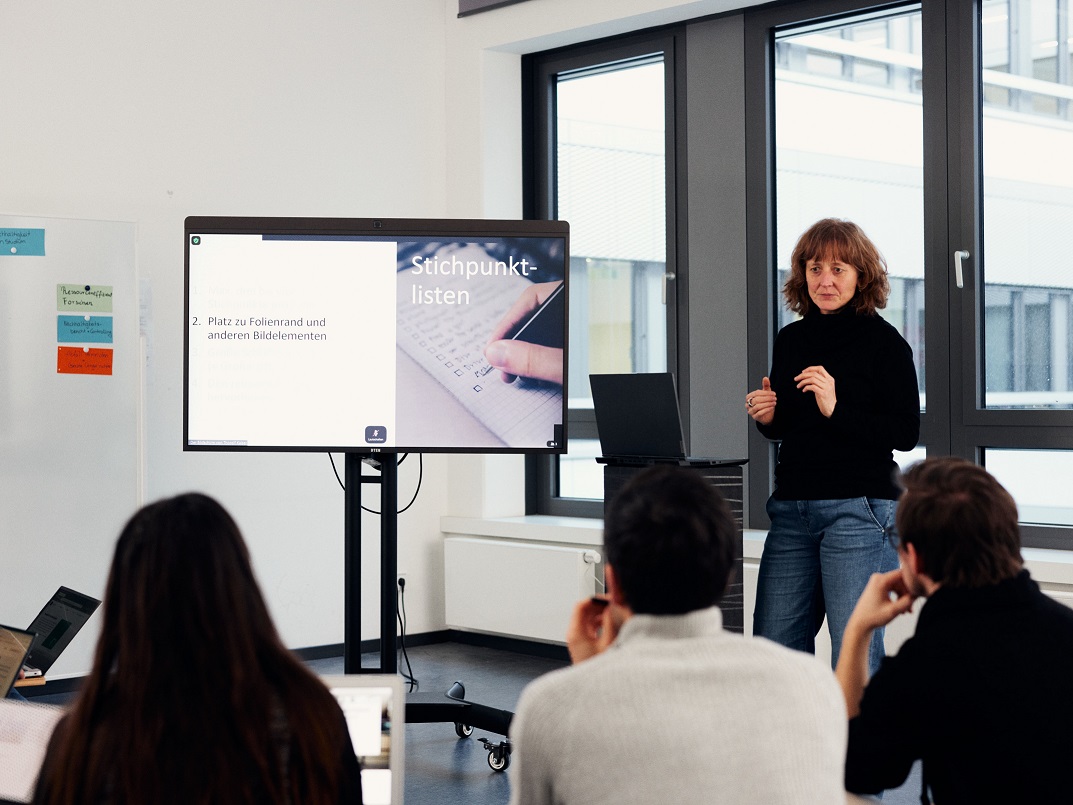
(817,559)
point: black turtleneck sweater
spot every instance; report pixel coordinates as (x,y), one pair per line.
(850,454)
(981,693)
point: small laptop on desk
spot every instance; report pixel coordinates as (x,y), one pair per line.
(639,423)
(15,644)
(375,709)
(27,729)
(59,620)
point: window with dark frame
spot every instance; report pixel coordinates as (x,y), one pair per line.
(990,178)
(602,118)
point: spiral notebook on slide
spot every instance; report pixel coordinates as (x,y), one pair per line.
(638,421)
(448,341)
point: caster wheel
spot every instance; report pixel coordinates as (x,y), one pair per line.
(498,761)
(463,730)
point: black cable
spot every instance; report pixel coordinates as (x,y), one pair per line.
(417,491)
(335,469)
(420,476)
(400,613)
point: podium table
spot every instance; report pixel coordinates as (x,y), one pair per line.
(726,476)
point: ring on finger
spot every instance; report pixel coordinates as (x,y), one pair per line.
(749,402)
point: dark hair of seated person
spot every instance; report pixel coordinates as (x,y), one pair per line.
(669,536)
(193,698)
(961,521)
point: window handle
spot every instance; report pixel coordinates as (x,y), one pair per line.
(667,275)
(960,257)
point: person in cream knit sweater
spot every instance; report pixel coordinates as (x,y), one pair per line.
(662,706)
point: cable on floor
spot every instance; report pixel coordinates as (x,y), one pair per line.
(400,613)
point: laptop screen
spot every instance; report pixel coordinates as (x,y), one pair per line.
(14,646)
(374,706)
(637,415)
(57,624)
(25,730)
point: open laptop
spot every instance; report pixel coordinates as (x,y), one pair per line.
(638,421)
(375,710)
(15,644)
(26,729)
(55,626)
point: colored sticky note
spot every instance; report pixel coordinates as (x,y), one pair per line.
(84,329)
(22,242)
(84,298)
(84,361)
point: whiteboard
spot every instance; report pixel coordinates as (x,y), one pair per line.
(70,443)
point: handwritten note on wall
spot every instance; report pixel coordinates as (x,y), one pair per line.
(84,329)
(28,242)
(84,361)
(84,298)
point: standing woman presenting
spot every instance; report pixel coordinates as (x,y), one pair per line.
(841,397)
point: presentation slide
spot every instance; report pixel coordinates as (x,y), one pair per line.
(337,341)
(451,296)
(285,336)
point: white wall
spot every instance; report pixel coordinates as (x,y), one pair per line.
(148,112)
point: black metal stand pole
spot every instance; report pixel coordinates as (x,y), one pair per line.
(389,536)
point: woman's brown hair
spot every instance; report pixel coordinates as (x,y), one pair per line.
(193,698)
(844,241)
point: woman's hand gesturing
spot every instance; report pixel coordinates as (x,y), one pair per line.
(760,403)
(819,382)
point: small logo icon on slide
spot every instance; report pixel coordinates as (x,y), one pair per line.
(375,434)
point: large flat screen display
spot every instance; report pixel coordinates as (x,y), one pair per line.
(375,335)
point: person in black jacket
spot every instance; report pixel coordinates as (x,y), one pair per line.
(840,398)
(980,692)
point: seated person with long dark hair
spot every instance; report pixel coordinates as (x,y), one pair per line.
(193,698)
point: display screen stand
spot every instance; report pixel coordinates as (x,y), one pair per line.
(421,708)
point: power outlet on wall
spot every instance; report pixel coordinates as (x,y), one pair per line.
(402,580)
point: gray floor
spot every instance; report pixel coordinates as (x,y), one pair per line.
(440,768)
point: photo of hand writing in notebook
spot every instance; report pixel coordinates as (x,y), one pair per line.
(481,330)
(528,341)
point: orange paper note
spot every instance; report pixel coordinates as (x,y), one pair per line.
(82,361)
